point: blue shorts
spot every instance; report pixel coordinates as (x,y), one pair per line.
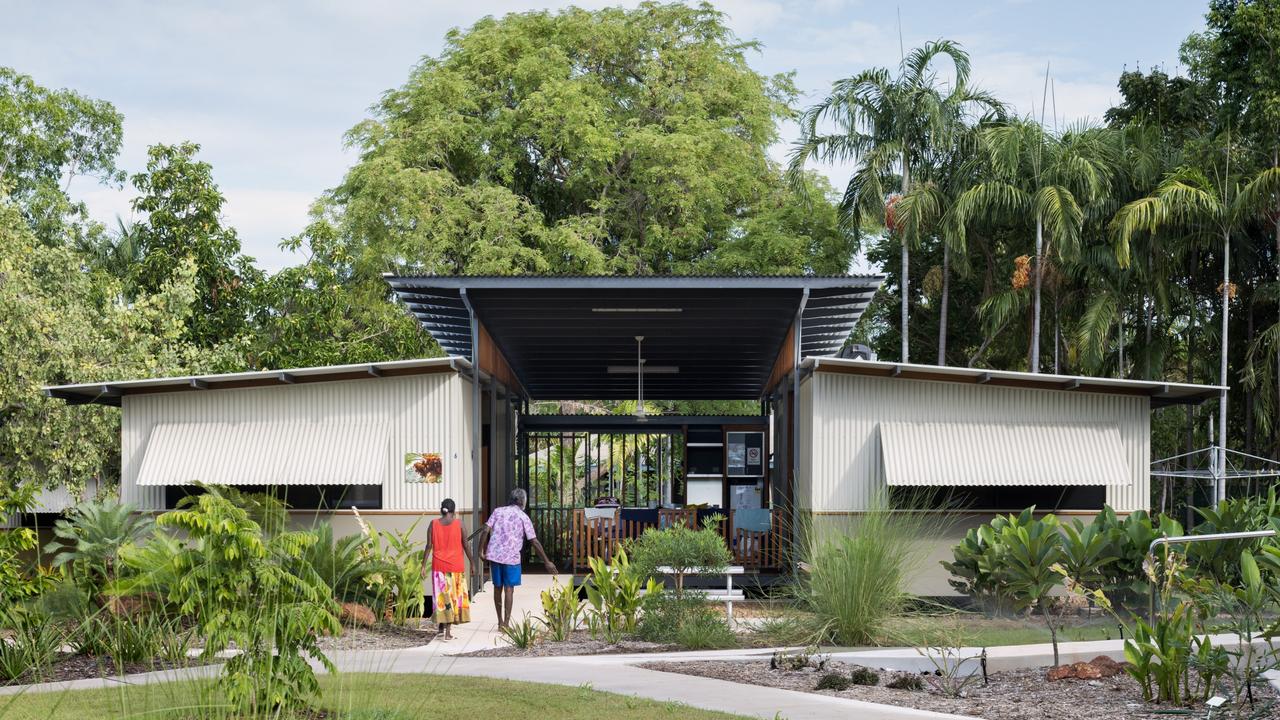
(505,575)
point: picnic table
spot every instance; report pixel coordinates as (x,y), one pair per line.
(727,595)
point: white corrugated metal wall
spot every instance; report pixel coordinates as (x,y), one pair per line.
(844,461)
(422,413)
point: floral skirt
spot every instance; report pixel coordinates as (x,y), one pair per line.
(452,603)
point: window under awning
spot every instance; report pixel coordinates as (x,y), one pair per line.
(972,454)
(276,453)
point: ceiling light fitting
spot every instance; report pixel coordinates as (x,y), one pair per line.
(637,310)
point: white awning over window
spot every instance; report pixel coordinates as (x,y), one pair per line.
(275,453)
(960,454)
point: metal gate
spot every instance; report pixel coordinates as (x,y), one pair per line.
(566,470)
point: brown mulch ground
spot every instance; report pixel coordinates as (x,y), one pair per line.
(67,666)
(1014,695)
(579,643)
(384,636)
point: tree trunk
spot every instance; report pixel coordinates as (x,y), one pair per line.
(1189,500)
(906,262)
(1150,308)
(942,312)
(1035,318)
(1220,489)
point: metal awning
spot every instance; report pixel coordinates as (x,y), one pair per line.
(973,454)
(574,338)
(265,453)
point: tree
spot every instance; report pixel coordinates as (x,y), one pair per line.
(891,127)
(48,137)
(1196,203)
(315,314)
(1046,177)
(614,141)
(59,324)
(183,209)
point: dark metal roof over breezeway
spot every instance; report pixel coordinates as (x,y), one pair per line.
(705,337)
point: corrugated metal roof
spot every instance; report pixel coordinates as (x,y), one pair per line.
(973,454)
(274,453)
(109,392)
(1160,393)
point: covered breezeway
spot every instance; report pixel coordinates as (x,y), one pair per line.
(595,480)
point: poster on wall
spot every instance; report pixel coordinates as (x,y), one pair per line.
(423,468)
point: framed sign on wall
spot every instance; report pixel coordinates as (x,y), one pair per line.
(423,468)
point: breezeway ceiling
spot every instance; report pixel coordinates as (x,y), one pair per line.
(704,337)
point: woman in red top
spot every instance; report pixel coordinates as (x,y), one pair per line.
(447,550)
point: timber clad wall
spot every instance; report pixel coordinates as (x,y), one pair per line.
(422,413)
(843,461)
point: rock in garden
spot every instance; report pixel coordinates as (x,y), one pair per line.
(1099,667)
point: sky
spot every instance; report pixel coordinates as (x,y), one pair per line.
(269,89)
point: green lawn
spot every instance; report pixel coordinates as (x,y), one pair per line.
(359,696)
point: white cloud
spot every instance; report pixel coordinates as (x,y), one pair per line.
(269,89)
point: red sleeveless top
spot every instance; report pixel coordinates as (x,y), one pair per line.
(446,547)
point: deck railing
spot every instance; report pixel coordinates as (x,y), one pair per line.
(601,536)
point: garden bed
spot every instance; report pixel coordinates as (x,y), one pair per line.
(384,636)
(1012,695)
(68,666)
(579,643)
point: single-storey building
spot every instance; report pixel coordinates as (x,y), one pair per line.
(811,436)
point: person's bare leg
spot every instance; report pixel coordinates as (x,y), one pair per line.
(497,605)
(447,635)
(510,592)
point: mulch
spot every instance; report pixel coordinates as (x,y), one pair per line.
(383,636)
(1012,695)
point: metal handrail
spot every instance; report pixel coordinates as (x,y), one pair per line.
(1185,539)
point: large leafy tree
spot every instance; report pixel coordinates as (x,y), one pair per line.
(47,138)
(628,141)
(59,324)
(893,127)
(183,221)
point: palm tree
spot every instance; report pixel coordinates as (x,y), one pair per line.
(890,126)
(928,210)
(1049,177)
(1198,203)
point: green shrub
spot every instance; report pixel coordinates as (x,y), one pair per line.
(615,593)
(561,609)
(684,620)
(396,580)
(89,538)
(137,638)
(905,681)
(833,681)
(15,583)
(856,581)
(244,588)
(681,549)
(345,564)
(864,676)
(1031,554)
(31,647)
(523,634)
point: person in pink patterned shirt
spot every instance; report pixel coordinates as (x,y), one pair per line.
(504,537)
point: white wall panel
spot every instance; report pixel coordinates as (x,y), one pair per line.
(847,467)
(422,413)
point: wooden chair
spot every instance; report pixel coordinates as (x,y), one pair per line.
(594,534)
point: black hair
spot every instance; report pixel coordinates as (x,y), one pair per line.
(448,506)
